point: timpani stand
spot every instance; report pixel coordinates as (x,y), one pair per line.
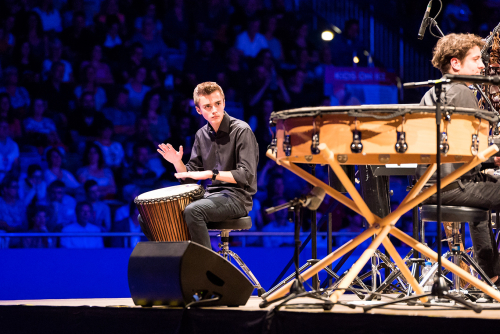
(375,130)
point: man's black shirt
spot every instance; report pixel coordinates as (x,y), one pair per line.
(233,148)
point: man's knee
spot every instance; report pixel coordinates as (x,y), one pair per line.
(192,213)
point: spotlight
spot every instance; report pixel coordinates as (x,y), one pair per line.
(327,35)
(355,60)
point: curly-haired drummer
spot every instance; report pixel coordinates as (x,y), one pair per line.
(225,151)
(460,54)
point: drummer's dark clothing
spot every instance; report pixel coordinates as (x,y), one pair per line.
(474,189)
(233,148)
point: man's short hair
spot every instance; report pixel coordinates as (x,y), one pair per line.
(453,46)
(205,89)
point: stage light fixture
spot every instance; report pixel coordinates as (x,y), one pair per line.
(327,35)
(355,60)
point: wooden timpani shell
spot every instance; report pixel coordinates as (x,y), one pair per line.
(379,137)
(162,211)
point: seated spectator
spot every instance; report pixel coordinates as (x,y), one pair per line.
(128,224)
(133,62)
(204,65)
(58,95)
(129,193)
(77,38)
(84,218)
(94,169)
(37,127)
(236,69)
(351,223)
(137,89)
(56,50)
(150,39)
(101,209)
(158,123)
(273,43)
(89,84)
(176,24)
(347,45)
(161,76)
(112,41)
(7,113)
(250,41)
(102,71)
(12,209)
(62,206)
(29,68)
(37,223)
(138,172)
(279,223)
(56,172)
(112,150)
(86,122)
(150,12)
(33,188)
(32,30)
(50,17)
(142,134)
(9,151)
(122,118)
(19,96)
(110,8)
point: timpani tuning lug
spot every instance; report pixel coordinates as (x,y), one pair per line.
(474,148)
(315,144)
(401,145)
(273,145)
(356,145)
(287,146)
(444,147)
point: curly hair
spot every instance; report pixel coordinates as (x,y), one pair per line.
(453,46)
(204,89)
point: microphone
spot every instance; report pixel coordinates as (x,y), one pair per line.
(314,199)
(425,21)
(474,79)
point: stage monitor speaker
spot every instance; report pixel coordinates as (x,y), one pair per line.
(177,273)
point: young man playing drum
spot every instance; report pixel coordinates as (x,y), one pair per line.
(460,54)
(225,151)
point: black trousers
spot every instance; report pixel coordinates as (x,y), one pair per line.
(215,207)
(485,195)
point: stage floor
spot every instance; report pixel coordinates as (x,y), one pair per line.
(116,315)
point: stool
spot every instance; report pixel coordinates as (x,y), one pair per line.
(237,224)
(456,215)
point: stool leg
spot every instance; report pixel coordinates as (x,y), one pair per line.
(224,245)
(248,272)
(457,254)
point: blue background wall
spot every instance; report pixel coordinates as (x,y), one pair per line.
(102,273)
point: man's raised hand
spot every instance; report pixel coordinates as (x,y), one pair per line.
(169,153)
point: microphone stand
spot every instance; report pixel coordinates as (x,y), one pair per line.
(297,289)
(439,288)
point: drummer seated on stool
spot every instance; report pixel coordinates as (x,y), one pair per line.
(225,151)
(461,54)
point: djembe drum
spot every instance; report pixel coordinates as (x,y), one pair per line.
(162,211)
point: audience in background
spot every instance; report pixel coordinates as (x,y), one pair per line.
(98,84)
(83,224)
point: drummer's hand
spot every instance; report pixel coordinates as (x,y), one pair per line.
(206,174)
(497,161)
(169,153)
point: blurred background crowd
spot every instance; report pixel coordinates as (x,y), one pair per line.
(89,88)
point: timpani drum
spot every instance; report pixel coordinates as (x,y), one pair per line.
(380,134)
(162,211)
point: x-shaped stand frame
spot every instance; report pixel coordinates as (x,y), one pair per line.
(381,227)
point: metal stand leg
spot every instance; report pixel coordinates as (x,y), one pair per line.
(228,254)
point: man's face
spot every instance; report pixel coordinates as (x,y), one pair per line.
(56,194)
(88,101)
(472,64)
(84,215)
(211,107)
(11,189)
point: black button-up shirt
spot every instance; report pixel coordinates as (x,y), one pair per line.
(233,148)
